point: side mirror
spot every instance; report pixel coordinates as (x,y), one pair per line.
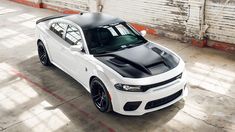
(143,32)
(77,47)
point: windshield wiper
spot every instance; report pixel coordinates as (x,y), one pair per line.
(127,46)
(104,52)
(133,45)
(130,46)
(118,49)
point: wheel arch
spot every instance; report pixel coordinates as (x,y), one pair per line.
(105,83)
(91,78)
(101,76)
(39,40)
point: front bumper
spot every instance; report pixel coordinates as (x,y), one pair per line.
(166,94)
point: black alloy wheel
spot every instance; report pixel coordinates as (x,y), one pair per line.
(43,56)
(100,96)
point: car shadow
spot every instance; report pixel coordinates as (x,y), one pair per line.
(149,121)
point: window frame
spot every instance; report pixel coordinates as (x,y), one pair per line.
(66,26)
(67,22)
(81,40)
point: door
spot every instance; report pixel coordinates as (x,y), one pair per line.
(75,61)
(55,42)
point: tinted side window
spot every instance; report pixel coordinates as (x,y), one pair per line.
(72,35)
(58,28)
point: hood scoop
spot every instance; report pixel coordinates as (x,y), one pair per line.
(121,61)
(117,62)
(169,59)
(140,61)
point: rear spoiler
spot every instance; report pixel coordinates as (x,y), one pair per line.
(49,18)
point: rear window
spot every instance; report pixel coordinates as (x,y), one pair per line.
(58,28)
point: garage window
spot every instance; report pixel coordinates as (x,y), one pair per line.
(58,28)
(72,35)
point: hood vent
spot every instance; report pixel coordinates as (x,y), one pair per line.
(118,58)
(140,61)
(154,64)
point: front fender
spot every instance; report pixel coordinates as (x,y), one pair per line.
(108,81)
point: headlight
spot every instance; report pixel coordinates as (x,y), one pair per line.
(130,88)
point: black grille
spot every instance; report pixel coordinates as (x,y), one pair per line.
(162,101)
(147,87)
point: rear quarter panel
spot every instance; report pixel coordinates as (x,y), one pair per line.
(42,32)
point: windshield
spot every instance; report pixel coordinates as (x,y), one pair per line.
(113,37)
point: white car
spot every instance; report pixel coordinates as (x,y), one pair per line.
(122,70)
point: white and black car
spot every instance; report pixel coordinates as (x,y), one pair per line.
(122,70)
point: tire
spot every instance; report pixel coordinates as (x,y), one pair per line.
(42,54)
(100,95)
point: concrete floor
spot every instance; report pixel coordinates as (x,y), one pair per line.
(41,99)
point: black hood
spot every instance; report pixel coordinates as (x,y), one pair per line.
(140,61)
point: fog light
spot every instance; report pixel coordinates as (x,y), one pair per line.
(131,106)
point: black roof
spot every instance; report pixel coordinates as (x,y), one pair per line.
(92,20)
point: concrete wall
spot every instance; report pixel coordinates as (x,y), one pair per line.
(187,20)
(220,16)
(168,17)
(79,5)
(193,24)
(34,3)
